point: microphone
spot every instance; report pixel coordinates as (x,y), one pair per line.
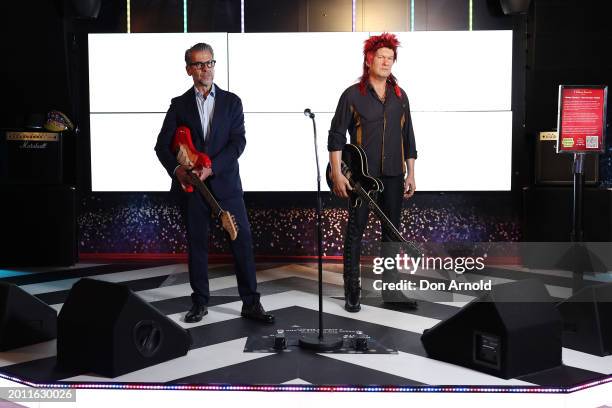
(309,113)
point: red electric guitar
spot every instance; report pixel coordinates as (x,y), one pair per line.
(187,155)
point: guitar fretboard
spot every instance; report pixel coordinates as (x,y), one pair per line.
(379,213)
(214,205)
(415,251)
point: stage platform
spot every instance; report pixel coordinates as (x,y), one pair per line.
(289,291)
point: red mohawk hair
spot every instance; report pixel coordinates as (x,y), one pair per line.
(370,46)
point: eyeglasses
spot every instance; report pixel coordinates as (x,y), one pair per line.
(200,65)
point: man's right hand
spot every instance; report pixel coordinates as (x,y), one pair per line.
(342,186)
(183,177)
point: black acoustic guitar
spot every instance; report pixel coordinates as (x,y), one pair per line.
(354,166)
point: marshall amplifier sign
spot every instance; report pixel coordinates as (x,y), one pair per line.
(33,140)
(31,157)
(582,119)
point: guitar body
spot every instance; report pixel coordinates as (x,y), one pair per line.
(355,168)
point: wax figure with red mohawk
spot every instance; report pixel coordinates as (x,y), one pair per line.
(376,113)
(214,120)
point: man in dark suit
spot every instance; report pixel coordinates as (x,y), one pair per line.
(216,121)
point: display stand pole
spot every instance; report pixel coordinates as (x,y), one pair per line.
(580,253)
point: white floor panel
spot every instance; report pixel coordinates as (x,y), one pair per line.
(66,284)
(196,361)
(297,381)
(375,315)
(28,353)
(587,361)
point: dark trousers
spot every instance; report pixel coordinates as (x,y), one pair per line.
(197,217)
(390,201)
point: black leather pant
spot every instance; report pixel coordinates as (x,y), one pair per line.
(390,201)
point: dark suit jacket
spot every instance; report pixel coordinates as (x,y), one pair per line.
(224,145)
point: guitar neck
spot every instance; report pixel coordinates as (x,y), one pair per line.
(212,202)
(415,250)
(380,214)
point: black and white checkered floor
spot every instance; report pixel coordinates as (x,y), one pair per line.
(290,292)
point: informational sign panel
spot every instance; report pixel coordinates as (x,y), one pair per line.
(582,119)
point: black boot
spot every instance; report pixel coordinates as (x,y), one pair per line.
(352,295)
(396,298)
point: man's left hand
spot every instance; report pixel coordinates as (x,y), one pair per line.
(409,187)
(202,173)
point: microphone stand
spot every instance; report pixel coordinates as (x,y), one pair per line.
(321,341)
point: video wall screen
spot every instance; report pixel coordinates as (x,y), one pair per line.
(458,83)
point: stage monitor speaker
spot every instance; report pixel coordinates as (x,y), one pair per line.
(24,319)
(106,329)
(554,168)
(587,320)
(511,331)
(515,6)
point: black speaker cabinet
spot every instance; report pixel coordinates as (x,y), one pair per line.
(587,320)
(511,331)
(106,329)
(24,319)
(38,225)
(31,157)
(552,168)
